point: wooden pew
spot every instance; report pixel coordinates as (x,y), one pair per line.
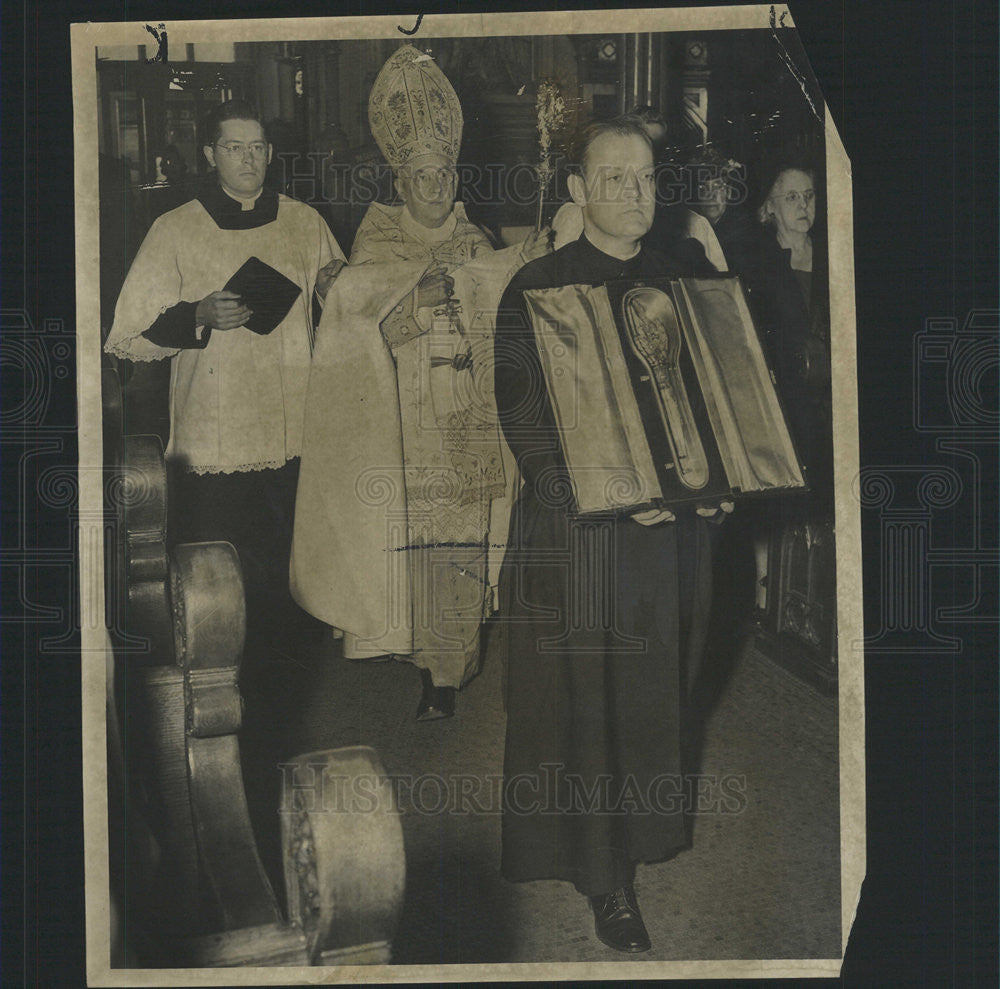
(191,889)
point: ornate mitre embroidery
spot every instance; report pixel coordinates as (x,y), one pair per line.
(413,110)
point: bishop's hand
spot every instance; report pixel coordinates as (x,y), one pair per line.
(222,311)
(435,288)
(537,244)
(326,276)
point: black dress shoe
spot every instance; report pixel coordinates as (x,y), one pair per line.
(435,702)
(617,921)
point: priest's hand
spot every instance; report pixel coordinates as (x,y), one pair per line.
(327,275)
(715,511)
(222,311)
(653,516)
(537,244)
(435,288)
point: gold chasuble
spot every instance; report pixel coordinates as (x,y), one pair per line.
(402,459)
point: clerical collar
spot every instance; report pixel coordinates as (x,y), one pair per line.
(627,266)
(428,235)
(228,213)
(245,204)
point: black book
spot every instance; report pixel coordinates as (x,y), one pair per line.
(266,292)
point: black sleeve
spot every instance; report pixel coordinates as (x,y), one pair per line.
(687,258)
(696,259)
(522,399)
(685,255)
(176,328)
(317,311)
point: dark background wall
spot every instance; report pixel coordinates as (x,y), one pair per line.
(732,89)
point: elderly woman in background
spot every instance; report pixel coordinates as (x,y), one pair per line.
(719,190)
(790,210)
(712,176)
(788,294)
(783,268)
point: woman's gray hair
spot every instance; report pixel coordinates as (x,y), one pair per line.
(763,216)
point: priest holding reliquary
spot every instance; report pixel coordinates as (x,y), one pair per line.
(635,398)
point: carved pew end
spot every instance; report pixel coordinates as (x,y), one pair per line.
(344,864)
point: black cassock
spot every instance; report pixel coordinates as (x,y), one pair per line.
(605,621)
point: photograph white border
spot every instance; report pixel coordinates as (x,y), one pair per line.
(85,39)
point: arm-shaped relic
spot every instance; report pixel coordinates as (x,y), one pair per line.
(655,336)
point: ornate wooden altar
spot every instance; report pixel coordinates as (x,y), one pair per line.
(191,888)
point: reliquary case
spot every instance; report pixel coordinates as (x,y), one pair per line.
(661,393)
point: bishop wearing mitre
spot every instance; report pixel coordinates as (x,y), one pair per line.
(402,487)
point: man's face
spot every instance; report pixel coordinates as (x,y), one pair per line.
(618,187)
(428,188)
(241,156)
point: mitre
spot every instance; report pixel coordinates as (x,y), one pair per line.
(413,110)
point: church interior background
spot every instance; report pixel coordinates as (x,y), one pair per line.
(734,91)
(727,89)
(731,90)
